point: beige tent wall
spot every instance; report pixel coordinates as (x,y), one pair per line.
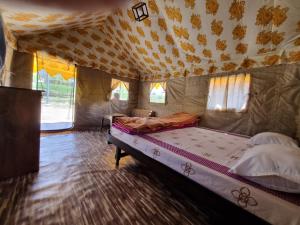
(5,73)
(21,70)
(298,123)
(92,97)
(183,94)
(93,89)
(274,103)
(18,69)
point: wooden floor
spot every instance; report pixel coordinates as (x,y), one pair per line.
(79,184)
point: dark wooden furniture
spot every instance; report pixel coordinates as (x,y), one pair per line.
(201,195)
(110,118)
(20,111)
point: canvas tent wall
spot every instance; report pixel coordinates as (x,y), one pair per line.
(92,99)
(93,88)
(274,102)
(18,69)
(183,43)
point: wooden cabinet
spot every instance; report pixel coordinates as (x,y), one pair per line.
(20,111)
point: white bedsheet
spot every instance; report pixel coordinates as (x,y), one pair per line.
(205,156)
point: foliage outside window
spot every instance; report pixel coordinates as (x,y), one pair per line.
(158,92)
(120,90)
(229,92)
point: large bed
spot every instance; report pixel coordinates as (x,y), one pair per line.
(205,157)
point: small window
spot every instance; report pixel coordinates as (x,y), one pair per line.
(158,92)
(229,92)
(119,90)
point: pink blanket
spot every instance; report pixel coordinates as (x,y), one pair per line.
(142,125)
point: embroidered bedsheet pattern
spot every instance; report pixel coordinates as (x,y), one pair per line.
(205,157)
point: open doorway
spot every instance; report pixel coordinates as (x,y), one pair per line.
(56,78)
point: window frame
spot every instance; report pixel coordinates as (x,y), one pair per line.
(165,99)
(235,110)
(121,81)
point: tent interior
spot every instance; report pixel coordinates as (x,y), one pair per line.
(157,112)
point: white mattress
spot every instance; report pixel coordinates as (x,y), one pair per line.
(205,157)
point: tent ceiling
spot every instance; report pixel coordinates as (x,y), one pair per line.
(36,20)
(180,38)
(66,4)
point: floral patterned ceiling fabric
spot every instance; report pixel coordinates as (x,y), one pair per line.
(33,21)
(85,47)
(180,38)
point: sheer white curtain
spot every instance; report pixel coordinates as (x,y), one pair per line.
(117,102)
(229,92)
(157,85)
(158,92)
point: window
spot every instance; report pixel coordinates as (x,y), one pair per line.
(119,90)
(229,92)
(158,92)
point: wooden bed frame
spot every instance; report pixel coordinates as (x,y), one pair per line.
(231,213)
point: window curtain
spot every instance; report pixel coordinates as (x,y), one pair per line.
(229,92)
(152,86)
(164,85)
(53,66)
(118,106)
(126,85)
(115,83)
(158,85)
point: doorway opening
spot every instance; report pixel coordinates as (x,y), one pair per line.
(57,79)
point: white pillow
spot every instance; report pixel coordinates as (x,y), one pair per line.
(272,138)
(273,166)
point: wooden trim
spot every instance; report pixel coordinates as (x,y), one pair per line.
(22,89)
(199,194)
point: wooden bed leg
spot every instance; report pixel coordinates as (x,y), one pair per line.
(108,142)
(118,156)
(102,121)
